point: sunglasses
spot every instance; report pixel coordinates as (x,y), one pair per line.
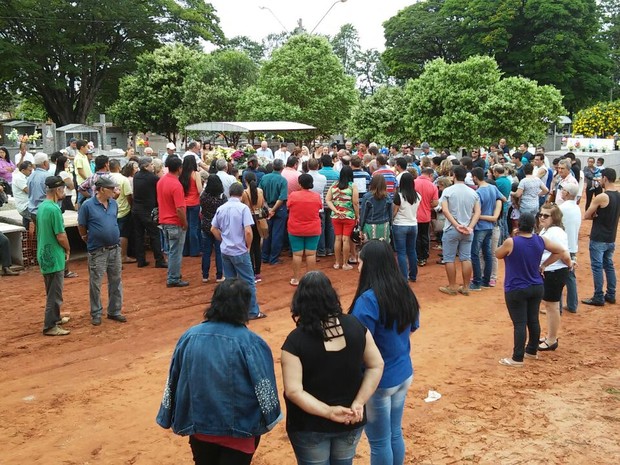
(544,215)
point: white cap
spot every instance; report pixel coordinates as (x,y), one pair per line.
(171,146)
(40,158)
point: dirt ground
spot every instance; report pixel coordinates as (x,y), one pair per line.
(91,397)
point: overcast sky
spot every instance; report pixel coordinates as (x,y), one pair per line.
(244,17)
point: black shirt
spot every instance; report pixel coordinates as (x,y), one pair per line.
(605,223)
(332,377)
(144,191)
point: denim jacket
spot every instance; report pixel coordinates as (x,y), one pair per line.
(221,382)
(375,211)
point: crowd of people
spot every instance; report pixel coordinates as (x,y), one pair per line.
(370,208)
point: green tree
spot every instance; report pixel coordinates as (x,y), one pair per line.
(65,52)
(291,86)
(417,34)
(371,71)
(149,97)
(346,45)
(253,49)
(610,13)
(551,41)
(30,109)
(468,104)
(213,86)
(381,117)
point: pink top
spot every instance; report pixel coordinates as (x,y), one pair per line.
(292,178)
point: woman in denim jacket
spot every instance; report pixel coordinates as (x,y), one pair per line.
(221,388)
(376,210)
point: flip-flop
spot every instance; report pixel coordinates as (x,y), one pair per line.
(294,282)
(336,266)
(508,362)
(347,267)
(463,291)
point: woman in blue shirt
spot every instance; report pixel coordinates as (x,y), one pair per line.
(387,306)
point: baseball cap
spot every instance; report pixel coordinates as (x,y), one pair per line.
(52,182)
(144,162)
(105,181)
(171,146)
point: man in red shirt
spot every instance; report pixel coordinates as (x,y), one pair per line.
(429,199)
(171,203)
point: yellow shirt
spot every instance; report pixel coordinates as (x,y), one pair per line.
(125,189)
(81,161)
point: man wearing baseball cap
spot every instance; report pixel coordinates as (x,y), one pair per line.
(99,229)
(52,253)
(171,149)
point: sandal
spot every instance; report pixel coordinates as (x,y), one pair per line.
(71,274)
(294,282)
(336,266)
(447,290)
(546,346)
(347,267)
(509,362)
(260,316)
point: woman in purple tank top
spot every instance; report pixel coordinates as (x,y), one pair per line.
(523,286)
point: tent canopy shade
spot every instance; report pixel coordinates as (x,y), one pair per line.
(250,126)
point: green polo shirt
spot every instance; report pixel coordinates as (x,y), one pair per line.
(275,187)
(50,254)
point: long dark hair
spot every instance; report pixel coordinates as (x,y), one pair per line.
(407,189)
(60,165)
(398,304)
(189,167)
(230,302)
(346,176)
(250,180)
(214,186)
(315,301)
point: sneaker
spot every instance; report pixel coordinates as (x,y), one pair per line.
(257,279)
(486,286)
(95,321)
(178,284)
(220,280)
(120,318)
(492,282)
(56,331)
(205,280)
(421,262)
(143,264)
(161,264)
(474,288)
(63,320)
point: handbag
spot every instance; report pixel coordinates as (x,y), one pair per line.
(155,215)
(356,234)
(263,227)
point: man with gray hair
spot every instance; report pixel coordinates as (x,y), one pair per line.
(36,186)
(565,177)
(571,219)
(193,150)
(275,189)
(222,172)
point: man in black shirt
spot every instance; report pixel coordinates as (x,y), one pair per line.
(144,201)
(604,212)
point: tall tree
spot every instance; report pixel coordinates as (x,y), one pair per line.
(253,49)
(346,45)
(610,33)
(469,104)
(149,97)
(371,72)
(64,52)
(417,34)
(213,87)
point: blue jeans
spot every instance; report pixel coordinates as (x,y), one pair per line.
(572,300)
(209,242)
(240,266)
(175,238)
(100,262)
(384,427)
(327,238)
(272,245)
(315,448)
(192,244)
(482,242)
(602,259)
(405,242)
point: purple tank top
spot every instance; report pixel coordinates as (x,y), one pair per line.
(522,265)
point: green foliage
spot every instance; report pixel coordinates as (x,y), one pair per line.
(555,42)
(468,104)
(213,87)
(347,48)
(253,49)
(150,96)
(30,110)
(65,52)
(294,85)
(610,34)
(417,34)
(381,117)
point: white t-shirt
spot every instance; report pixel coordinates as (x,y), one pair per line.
(19,183)
(556,234)
(407,214)
(27,157)
(571,220)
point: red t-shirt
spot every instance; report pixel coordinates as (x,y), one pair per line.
(245,445)
(170,196)
(303,213)
(428,193)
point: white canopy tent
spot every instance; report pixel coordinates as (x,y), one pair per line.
(249,126)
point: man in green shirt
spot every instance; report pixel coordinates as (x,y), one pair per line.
(52,252)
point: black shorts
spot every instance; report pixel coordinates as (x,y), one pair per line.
(554,283)
(125,225)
